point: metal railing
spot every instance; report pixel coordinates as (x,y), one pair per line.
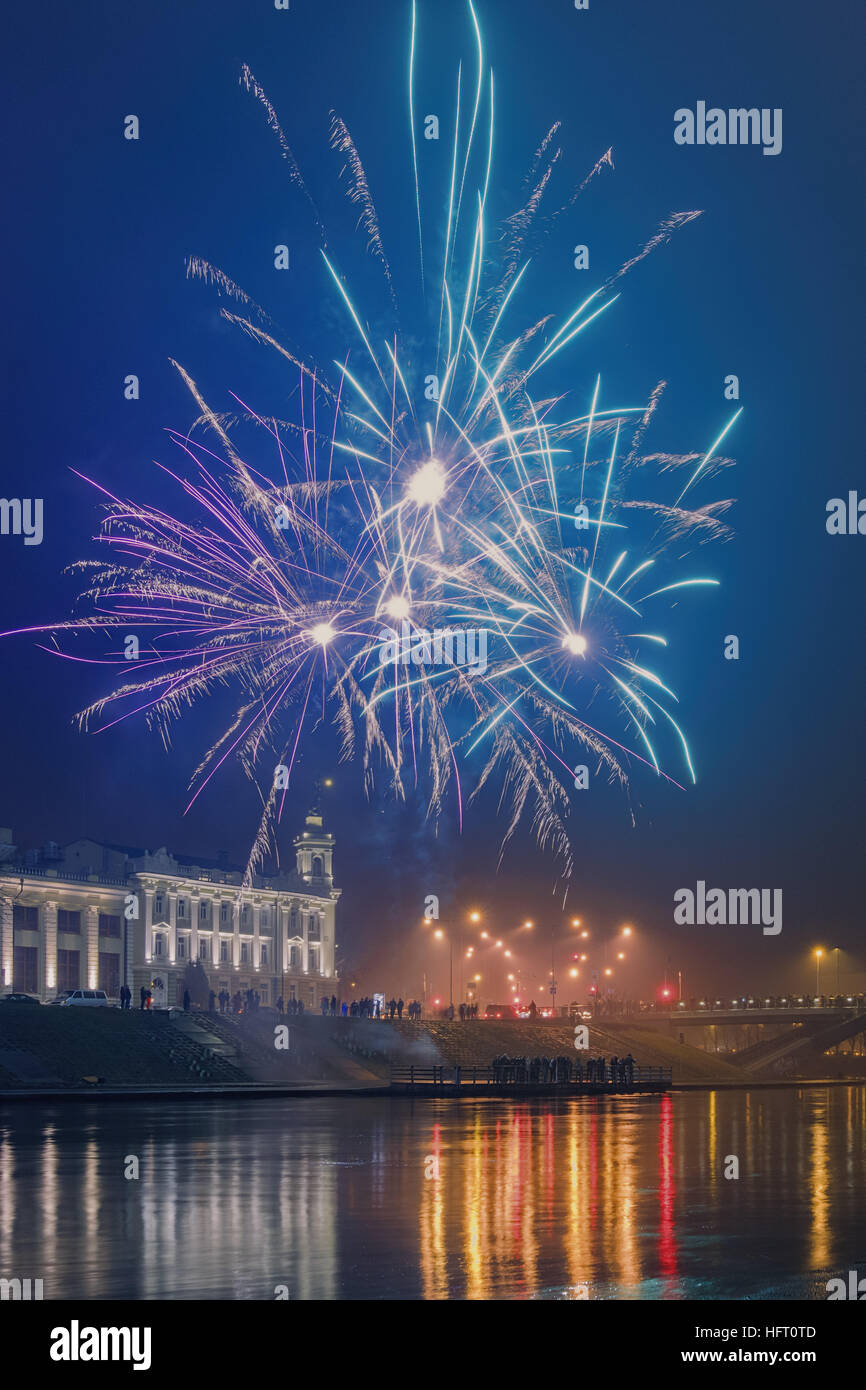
(483,1076)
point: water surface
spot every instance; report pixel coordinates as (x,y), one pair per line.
(341,1198)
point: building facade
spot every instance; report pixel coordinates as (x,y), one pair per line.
(89,915)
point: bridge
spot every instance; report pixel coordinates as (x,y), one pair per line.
(804,1029)
(799,1012)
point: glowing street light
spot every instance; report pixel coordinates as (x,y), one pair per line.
(818,954)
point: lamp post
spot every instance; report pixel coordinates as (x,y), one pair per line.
(818,954)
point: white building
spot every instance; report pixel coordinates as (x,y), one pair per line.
(94,916)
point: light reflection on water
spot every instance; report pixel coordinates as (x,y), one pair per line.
(339,1198)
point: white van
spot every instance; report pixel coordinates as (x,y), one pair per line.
(87,998)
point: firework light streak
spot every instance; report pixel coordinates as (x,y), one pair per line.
(394,512)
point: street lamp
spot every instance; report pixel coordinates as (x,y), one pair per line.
(818,954)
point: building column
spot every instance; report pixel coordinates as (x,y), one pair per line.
(6,943)
(236,934)
(148,924)
(256,961)
(215,934)
(48,936)
(172,926)
(193,925)
(92,930)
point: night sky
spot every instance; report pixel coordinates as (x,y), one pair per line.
(766,284)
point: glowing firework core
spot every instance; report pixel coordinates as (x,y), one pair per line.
(574,643)
(397,607)
(427,486)
(323,633)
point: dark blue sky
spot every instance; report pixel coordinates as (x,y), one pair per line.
(766,284)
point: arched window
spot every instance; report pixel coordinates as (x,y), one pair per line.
(318,866)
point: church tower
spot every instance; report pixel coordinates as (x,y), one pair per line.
(314,851)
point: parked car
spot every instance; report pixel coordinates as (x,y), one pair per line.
(18,999)
(500,1011)
(62,997)
(87,998)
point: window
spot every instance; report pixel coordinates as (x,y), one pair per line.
(68,970)
(181,948)
(293,923)
(109,973)
(224,950)
(246,924)
(318,866)
(204,949)
(25,969)
(203,911)
(264,920)
(25,918)
(245,952)
(224,912)
(314,931)
(294,957)
(264,955)
(109,925)
(68,920)
(158,944)
(157,905)
(181,909)
(314,960)
(263,994)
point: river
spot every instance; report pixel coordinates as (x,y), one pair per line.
(352,1198)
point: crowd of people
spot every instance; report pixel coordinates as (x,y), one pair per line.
(619,1071)
(241,1002)
(465,1011)
(372,1008)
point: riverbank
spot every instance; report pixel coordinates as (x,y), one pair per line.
(52,1054)
(310,1090)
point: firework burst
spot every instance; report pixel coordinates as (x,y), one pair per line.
(410,505)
